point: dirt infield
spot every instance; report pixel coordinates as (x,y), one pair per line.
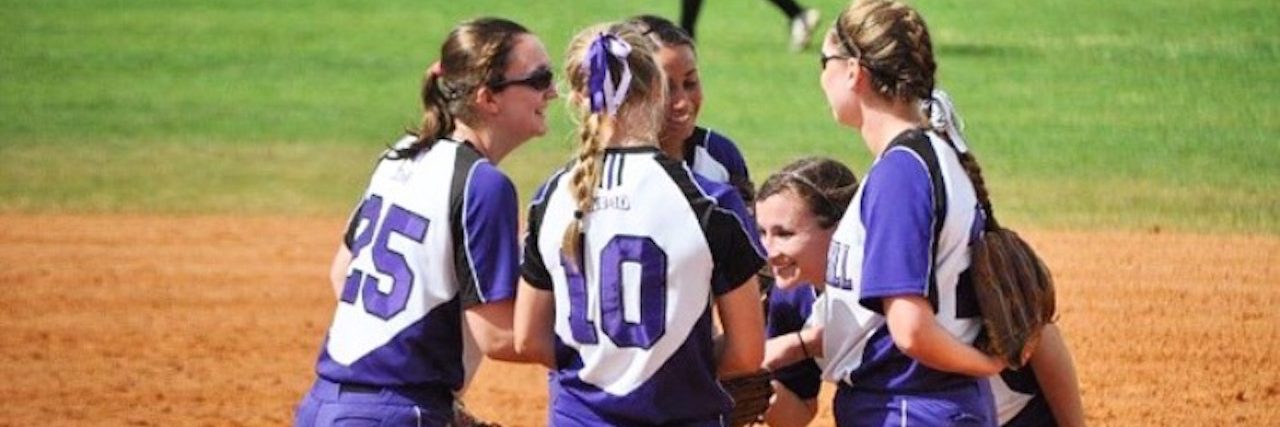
(134,320)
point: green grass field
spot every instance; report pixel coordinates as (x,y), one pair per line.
(1086,114)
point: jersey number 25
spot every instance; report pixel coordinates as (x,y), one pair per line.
(386,261)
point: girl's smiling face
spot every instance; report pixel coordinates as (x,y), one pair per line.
(796,243)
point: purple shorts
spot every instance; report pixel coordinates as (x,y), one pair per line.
(329,403)
(968,405)
(566,411)
(569,418)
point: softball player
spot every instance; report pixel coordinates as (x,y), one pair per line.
(426,273)
(627,252)
(899,312)
(797,213)
(706,152)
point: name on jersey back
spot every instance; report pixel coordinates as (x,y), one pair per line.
(607,201)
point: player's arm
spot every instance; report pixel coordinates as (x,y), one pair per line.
(489,247)
(535,325)
(1056,374)
(916,332)
(490,324)
(743,321)
(338,270)
(787,349)
(788,409)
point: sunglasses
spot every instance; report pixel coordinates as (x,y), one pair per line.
(541,80)
(823,59)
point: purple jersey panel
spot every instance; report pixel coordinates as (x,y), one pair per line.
(724,151)
(897,211)
(489,221)
(402,361)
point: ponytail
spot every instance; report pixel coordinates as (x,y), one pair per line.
(472,54)
(437,122)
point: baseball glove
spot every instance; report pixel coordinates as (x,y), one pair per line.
(463,418)
(1015,294)
(751,394)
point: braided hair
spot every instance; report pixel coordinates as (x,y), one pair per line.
(638,114)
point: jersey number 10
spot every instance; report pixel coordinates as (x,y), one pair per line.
(620,250)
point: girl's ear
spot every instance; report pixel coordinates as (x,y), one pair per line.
(855,72)
(486,100)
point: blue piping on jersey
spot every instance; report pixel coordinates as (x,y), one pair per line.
(466,236)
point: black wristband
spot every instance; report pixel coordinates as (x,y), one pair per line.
(803,348)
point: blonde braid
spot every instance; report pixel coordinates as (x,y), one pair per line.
(638,117)
(584,181)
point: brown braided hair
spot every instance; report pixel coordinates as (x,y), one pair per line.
(889,39)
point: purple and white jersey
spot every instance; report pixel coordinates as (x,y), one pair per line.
(1019,401)
(633,320)
(715,157)
(890,243)
(789,311)
(433,235)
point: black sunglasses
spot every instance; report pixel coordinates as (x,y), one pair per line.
(823,59)
(541,79)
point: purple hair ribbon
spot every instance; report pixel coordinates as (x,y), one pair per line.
(604,95)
